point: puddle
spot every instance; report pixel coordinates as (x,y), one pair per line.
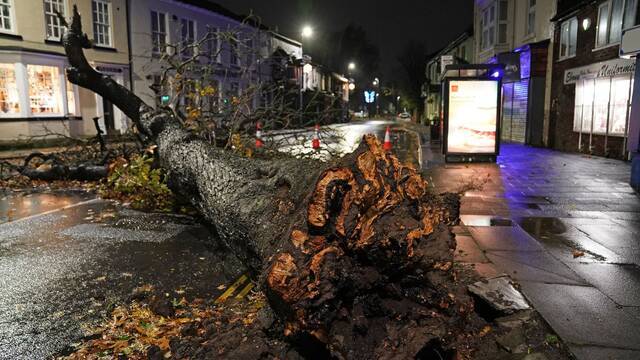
(554,232)
(485,220)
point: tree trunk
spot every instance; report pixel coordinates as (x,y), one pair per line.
(356,255)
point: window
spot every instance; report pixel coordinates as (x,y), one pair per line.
(488,23)
(158,32)
(613,16)
(44,89)
(188,37)
(601,101)
(6,23)
(531,17)
(71,99)
(249,57)
(568,38)
(463,53)
(51,20)
(101,22)
(213,45)
(502,22)
(9,95)
(234,59)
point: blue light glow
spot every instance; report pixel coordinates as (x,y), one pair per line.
(496,74)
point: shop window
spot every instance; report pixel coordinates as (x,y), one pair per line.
(9,95)
(52,22)
(45,96)
(601,102)
(158,32)
(568,38)
(101,22)
(613,16)
(71,99)
(6,16)
(188,37)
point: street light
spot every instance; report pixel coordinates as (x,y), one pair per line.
(307,31)
(376,82)
(352,66)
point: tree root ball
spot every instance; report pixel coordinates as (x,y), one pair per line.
(368,271)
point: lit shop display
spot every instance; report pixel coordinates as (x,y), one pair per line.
(9,94)
(44,89)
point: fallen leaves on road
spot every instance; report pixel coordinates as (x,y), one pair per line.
(136,328)
(577,253)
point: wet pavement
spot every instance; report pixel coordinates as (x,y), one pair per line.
(567,227)
(66,260)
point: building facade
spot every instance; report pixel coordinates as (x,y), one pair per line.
(36,100)
(592,86)
(459,51)
(518,33)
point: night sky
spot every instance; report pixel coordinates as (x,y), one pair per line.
(389,23)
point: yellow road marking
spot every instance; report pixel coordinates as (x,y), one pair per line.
(241,280)
(244,291)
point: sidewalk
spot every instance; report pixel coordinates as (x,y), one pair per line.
(567,228)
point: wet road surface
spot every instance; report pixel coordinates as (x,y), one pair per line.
(62,271)
(341,139)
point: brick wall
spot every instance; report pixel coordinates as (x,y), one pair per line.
(561,134)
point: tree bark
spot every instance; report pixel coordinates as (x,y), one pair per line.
(356,255)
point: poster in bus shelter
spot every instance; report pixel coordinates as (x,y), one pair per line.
(472,117)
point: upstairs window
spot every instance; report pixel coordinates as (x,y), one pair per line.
(213,45)
(6,16)
(531,17)
(51,20)
(158,32)
(488,25)
(101,22)
(568,38)
(188,37)
(613,16)
(503,18)
(234,59)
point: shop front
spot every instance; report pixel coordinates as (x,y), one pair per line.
(601,106)
(523,93)
(37,101)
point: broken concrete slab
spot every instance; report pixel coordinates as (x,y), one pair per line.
(500,294)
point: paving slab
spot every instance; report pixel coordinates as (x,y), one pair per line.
(504,238)
(534,266)
(603,353)
(468,251)
(585,316)
(621,283)
(612,236)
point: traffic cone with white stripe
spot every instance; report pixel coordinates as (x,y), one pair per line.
(387,140)
(259,142)
(315,143)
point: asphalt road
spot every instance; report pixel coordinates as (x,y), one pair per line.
(66,260)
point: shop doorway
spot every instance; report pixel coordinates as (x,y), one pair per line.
(109,120)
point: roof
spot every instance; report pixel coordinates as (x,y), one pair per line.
(457,41)
(221,10)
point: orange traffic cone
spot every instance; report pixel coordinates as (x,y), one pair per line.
(315,143)
(387,140)
(259,142)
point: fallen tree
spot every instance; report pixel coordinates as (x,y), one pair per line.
(355,255)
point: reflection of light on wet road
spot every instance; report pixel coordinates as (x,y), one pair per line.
(341,139)
(19,205)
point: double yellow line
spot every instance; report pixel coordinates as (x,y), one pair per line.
(235,286)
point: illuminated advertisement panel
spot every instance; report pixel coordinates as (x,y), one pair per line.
(472,117)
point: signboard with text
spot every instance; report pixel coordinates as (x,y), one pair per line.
(609,68)
(472,117)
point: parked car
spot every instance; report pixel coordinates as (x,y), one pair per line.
(404,116)
(361,114)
